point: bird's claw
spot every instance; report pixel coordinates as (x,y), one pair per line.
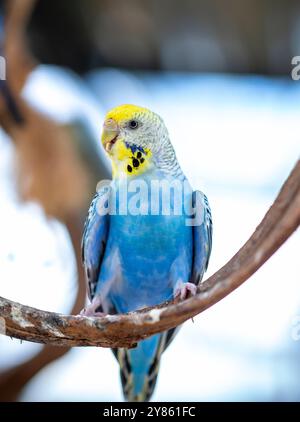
(91,313)
(91,310)
(182,290)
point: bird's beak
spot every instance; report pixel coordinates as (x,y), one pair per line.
(110,134)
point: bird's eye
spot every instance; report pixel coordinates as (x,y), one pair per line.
(133,124)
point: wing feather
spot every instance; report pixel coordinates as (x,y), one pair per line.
(202,236)
(95,238)
(202,244)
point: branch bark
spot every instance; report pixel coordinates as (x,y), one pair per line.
(35,325)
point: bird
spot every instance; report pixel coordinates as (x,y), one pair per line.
(139,248)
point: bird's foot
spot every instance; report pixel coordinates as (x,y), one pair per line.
(183,290)
(91,310)
(90,313)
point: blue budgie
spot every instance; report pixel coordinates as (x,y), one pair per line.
(147,237)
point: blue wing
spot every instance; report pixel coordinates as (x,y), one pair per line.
(202,244)
(95,238)
(202,236)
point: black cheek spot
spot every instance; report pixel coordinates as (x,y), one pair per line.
(142,160)
(129,168)
(139,154)
(135,162)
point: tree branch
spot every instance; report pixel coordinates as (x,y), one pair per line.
(125,330)
(13,379)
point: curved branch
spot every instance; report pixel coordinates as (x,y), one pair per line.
(125,330)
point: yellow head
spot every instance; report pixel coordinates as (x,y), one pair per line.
(132,136)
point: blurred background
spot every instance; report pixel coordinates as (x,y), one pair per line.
(219,74)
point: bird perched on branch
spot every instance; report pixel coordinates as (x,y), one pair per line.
(147,237)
